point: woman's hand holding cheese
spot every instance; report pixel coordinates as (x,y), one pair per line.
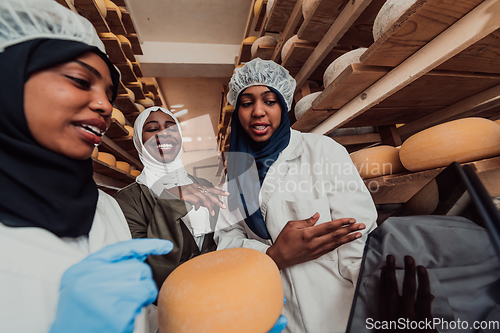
(302,240)
(199,196)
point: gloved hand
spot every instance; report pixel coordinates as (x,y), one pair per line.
(107,290)
(280,325)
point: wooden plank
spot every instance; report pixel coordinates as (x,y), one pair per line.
(260,16)
(137,69)
(421,23)
(113,49)
(125,105)
(344,21)
(127,49)
(127,73)
(279,15)
(136,45)
(112,172)
(491,181)
(248,26)
(127,20)
(321,16)
(89,10)
(136,87)
(489,97)
(112,147)
(264,52)
(292,23)
(347,140)
(391,116)
(458,37)
(390,136)
(116,129)
(310,119)
(245,52)
(113,18)
(297,56)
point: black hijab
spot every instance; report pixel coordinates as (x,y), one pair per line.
(243,153)
(40,188)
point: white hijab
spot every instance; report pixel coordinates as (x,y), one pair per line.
(158,176)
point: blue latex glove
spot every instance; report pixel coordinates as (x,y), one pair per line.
(280,325)
(107,290)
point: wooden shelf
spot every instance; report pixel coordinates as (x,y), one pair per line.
(261,15)
(128,155)
(399,188)
(89,10)
(136,87)
(279,15)
(125,105)
(113,18)
(265,52)
(116,130)
(127,20)
(127,73)
(136,45)
(321,17)
(127,144)
(114,50)
(112,172)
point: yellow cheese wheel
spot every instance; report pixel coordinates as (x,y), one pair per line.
(461,140)
(118,115)
(110,5)
(124,166)
(95,152)
(262,41)
(147,102)
(140,107)
(135,172)
(130,94)
(377,161)
(150,95)
(228,108)
(130,65)
(124,40)
(249,40)
(257,7)
(497,121)
(108,35)
(101,5)
(106,158)
(232,290)
(341,63)
(130,130)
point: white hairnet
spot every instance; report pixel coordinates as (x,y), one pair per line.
(262,72)
(23,20)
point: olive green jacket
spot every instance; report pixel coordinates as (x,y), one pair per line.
(149,217)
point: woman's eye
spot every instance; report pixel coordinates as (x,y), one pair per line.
(247,104)
(152,130)
(270,103)
(81,82)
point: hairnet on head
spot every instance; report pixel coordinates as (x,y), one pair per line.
(262,72)
(23,20)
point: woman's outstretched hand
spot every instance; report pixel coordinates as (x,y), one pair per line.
(302,240)
(199,196)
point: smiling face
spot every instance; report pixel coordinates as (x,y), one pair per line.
(68,106)
(161,137)
(259,112)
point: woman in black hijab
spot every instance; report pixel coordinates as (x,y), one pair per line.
(56,98)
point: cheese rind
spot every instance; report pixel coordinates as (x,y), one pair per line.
(106,158)
(118,115)
(124,166)
(341,63)
(231,290)
(377,161)
(462,140)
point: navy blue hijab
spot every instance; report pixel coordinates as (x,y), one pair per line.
(263,154)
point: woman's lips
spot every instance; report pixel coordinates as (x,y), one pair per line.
(260,129)
(91,131)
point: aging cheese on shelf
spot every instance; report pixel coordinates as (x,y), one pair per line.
(390,12)
(140,107)
(118,115)
(377,161)
(110,5)
(95,152)
(106,158)
(130,94)
(341,63)
(130,130)
(135,172)
(461,140)
(307,6)
(269,6)
(263,41)
(257,7)
(232,290)
(288,45)
(147,102)
(124,166)
(101,5)
(305,103)
(124,40)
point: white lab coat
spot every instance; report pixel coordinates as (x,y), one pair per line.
(33,260)
(312,174)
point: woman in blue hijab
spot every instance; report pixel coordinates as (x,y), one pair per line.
(295,196)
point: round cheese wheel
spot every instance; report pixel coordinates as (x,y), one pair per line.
(108,35)
(110,5)
(461,140)
(269,6)
(95,152)
(124,40)
(140,107)
(150,95)
(147,102)
(377,161)
(130,65)
(341,63)
(249,40)
(135,172)
(118,115)
(305,103)
(388,14)
(232,290)
(124,166)
(106,158)
(130,94)
(101,5)
(307,7)
(130,130)
(263,41)
(228,108)
(288,45)
(257,7)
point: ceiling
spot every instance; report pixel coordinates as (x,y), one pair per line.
(190,48)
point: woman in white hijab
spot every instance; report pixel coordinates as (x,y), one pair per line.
(165,201)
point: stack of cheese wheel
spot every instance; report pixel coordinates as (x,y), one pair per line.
(341,63)
(101,5)
(288,45)
(269,41)
(135,172)
(305,104)
(110,5)
(124,166)
(307,6)
(232,290)
(377,161)
(461,140)
(147,102)
(140,107)
(118,115)
(390,12)
(130,130)
(106,158)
